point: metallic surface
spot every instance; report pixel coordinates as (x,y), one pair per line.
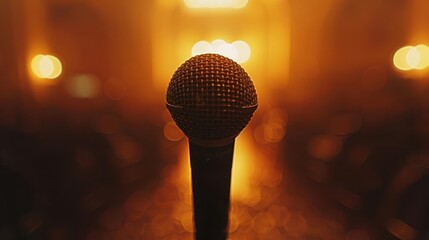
(211,97)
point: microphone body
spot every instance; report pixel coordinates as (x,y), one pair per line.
(211,180)
(211,98)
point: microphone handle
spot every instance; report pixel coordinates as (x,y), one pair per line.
(211,182)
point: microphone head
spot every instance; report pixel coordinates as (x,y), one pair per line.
(211,98)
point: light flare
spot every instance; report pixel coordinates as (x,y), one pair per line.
(46,66)
(423,51)
(411,58)
(84,86)
(216,3)
(239,50)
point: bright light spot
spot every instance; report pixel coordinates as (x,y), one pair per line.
(412,58)
(216,3)
(423,51)
(400,58)
(84,86)
(46,66)
(228,51)
(238,51)
(243,50)
(202,47)
(217,44)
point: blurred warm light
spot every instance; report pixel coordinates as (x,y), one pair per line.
(202,47)
(400,59)
(216,3)
(84,86)
(412,58)
(325,147)
(269,60)
(296,225)
(423,52)
(46,66)
(273,128)
(243,50)
(238,51)
(247,177)
(161,226)
(172,132)
(127,151)
(271,132)
(242,170)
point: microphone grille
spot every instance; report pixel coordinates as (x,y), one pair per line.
(211,97)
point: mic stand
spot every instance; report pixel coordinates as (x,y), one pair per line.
(211,181)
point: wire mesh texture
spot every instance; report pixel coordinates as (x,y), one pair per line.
(211,97)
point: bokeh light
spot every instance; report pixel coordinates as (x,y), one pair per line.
(46,66)
(273,128)
(243,49)
(216,3)
(172,132)
(202,47)
(325,147)
(423,52)
(238,51)
(84,86)
(412,58)
(400,59)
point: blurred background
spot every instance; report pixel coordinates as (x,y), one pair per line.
(338,148)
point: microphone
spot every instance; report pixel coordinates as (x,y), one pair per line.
(211,98)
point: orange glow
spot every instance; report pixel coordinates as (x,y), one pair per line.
(172,132)
(412,58)
(267,63)
(325,147)
(243,50)
(216,3)
(238,51)
(242,171)
(296,225)
(46,66)
(127,151)
(423,52)
(273,128)
(247,177)
(84,86)
(202,47)
(400,59)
